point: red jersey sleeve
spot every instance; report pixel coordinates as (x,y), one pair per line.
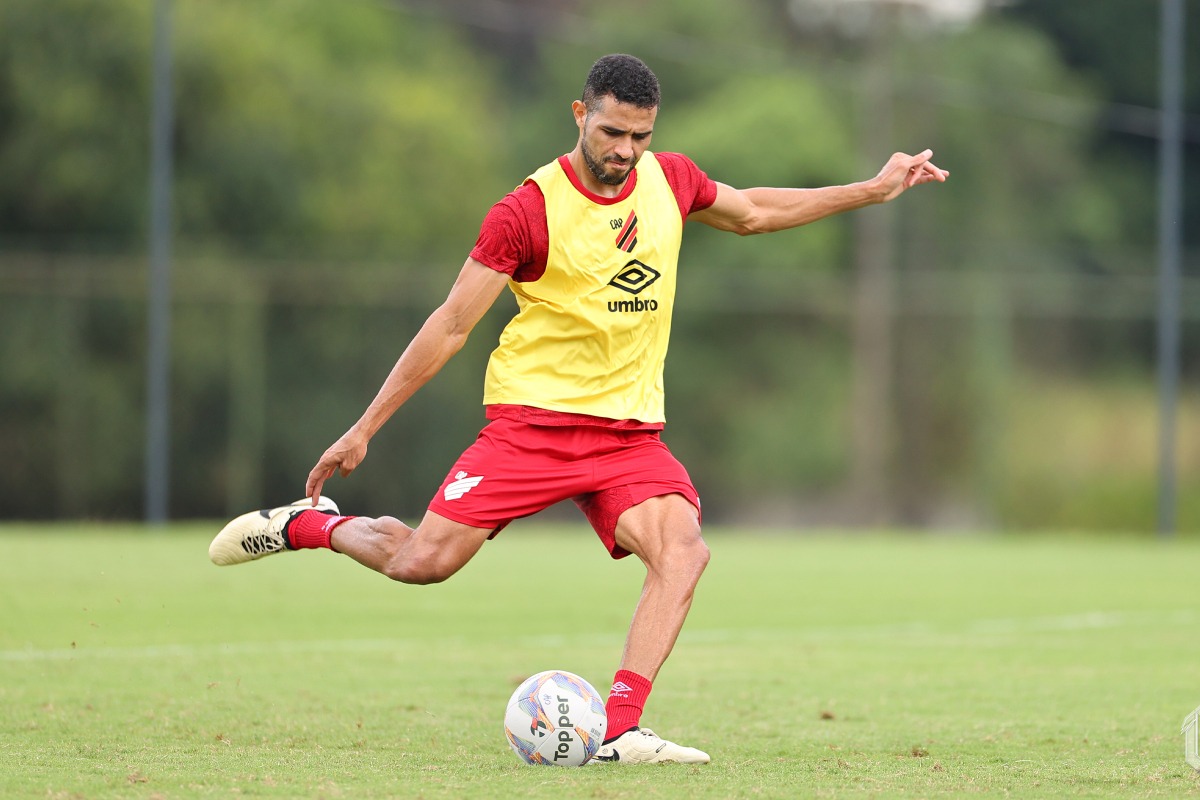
(514,237)
(693,189)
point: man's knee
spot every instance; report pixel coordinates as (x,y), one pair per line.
(673,542)
(691,551)
(666,524)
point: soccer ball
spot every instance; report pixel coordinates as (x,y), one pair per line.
(555,718)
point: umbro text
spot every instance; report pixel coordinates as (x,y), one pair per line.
(636,304)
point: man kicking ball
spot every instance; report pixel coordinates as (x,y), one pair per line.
(589,244)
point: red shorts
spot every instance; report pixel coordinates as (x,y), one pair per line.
(515,469)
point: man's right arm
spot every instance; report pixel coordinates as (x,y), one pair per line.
(442,335)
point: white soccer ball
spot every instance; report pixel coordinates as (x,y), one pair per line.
(555,718)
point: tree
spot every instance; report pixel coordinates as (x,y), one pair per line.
(305,131)
(1116,48)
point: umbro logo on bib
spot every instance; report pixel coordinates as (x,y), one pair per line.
(461,484)
(634,277)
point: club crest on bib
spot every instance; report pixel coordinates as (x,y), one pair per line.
(627,237)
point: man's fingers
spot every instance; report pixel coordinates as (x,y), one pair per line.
(934,171)
(316,480)
(922,170)
(909,163)
(918,175)
(921,161)
(313,489)
(921,157)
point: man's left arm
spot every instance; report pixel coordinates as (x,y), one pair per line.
(762,210)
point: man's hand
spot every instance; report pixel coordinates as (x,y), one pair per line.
(342,456)
(903,171)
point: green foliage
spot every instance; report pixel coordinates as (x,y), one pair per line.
(73,121)
(777,130)
(71,442)
(1126,64)
(693,46)
(304,131)
(994,85)
(981,100)
(767,440)
(840,666)
(333,161)
(1116,47)
(1078,458)
(302,128)
(333,130)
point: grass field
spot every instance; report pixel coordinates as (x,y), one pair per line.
(814,666)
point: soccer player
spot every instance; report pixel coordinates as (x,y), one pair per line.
(589,245)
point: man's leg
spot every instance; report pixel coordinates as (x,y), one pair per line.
(664,532)
(429,553)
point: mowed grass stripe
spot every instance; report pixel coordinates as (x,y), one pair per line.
(909,634)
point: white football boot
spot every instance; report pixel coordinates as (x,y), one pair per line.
(260,533)
(643,746)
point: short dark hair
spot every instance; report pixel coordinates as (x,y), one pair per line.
(626,78)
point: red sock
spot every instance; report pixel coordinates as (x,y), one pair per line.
(312,528)
(626,700)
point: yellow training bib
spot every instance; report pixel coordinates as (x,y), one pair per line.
(590,336)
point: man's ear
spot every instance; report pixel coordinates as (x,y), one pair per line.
(580,112)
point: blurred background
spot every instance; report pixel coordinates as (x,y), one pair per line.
(981,355)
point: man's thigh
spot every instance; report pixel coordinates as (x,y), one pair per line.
(657,524)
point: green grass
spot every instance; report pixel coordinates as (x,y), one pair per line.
(816,666)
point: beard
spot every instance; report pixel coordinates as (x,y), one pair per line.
(596,167)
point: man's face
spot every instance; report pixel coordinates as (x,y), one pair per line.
(613,137)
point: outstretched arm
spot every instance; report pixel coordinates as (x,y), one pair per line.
(442,335)
(762,210)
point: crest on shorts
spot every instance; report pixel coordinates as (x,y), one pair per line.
(461,484)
